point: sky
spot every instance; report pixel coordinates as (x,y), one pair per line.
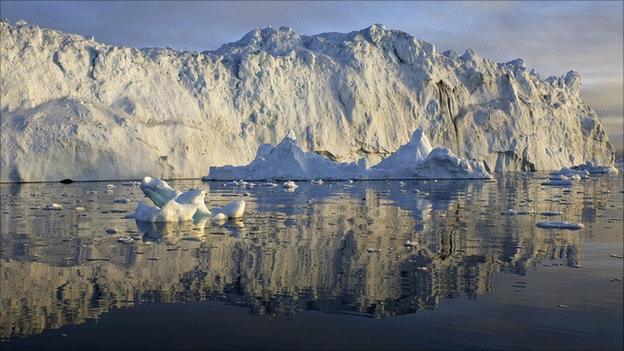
(552,37)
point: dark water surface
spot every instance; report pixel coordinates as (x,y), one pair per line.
(324,267)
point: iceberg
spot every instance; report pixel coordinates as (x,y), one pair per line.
(408,155)
(415,160)
(174,206)
(440,163)
(74,108)
(287,161)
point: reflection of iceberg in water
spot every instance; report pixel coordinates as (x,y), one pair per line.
(288,256)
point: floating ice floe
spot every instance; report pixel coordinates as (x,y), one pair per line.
(174,206)
(125,240)
(290,185)
(512,212)
(234,209)
(566,176)
(414,160)
(560,225)
(54,206)
(550,213)
(596,169)
(558,180)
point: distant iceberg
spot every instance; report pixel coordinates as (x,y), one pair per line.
(288,161)
(414,160)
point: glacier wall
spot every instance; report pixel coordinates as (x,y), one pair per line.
(75,108)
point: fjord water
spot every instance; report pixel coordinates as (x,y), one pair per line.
(367,265)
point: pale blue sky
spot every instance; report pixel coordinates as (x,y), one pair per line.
(552,37)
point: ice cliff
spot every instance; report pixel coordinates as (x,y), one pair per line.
(75,108)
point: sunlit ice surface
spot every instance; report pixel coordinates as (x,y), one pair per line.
(348,265)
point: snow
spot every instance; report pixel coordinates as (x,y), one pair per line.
(74,108)
(174,206)
(416,159)
(560,225)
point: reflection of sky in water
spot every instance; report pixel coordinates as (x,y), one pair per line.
(336,247)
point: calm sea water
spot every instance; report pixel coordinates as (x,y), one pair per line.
(325,267)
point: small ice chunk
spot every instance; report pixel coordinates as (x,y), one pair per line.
(596,169)
(125,240)
(219,217)
(510,212)
(122,200)
(80,209)
(54,206)
(290,185)
(234,209)
(558,181)
(317,182)
(110,186)
(373,250)
(560,225)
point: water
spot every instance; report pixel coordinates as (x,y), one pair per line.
(324,267)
